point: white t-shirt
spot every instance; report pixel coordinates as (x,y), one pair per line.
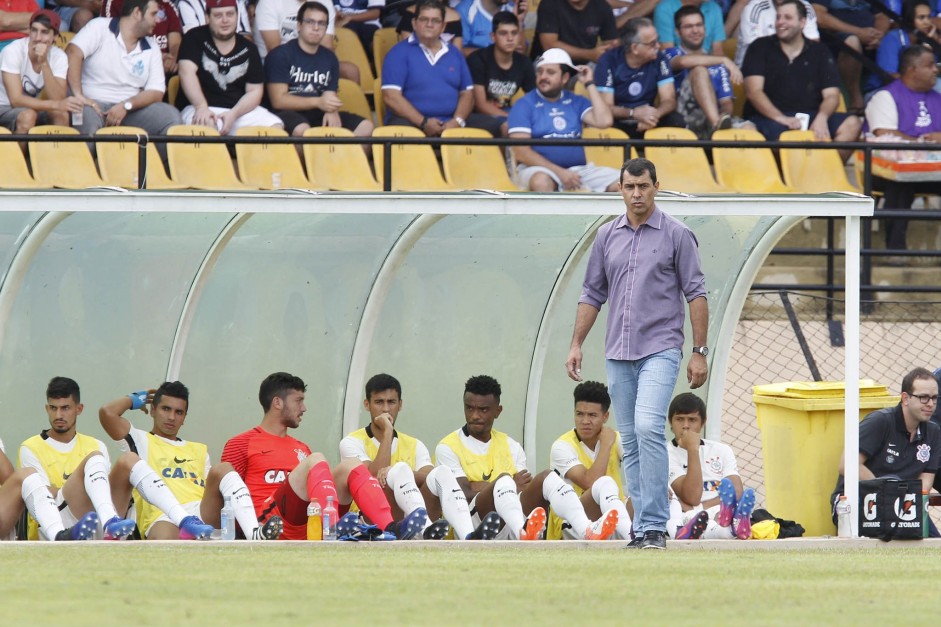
(111,74)
(758,21)
(882,112)
(354,447)
(141,443)
(716,459)
(29,460)
(563,457)
(446,457)
(193,14)
(281,15)
(15,60)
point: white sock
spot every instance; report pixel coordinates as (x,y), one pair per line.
(232,486)
(406,492)
(156,492)
(41,505)
(605,493)
(506,501)
(715,532)
(565,503)
(98,488)
(441,483)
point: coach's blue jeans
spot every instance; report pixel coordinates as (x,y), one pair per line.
(640,393)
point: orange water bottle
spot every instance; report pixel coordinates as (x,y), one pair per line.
(314,521)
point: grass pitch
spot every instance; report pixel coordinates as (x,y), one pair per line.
(170,584)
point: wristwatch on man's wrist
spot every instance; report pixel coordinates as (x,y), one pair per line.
(460,121)
(702,350)
(128,106)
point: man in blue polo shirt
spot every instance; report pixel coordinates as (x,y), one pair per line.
(632,77)
(551,111)
(426,82)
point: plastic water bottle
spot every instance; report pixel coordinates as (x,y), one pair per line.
(227,520)
(330,520)
(314,521)
(78,117)
(843,524)
(924,514)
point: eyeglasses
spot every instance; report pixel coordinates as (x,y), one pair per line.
(925,398)
(315,23)
(649,44)
(430,21)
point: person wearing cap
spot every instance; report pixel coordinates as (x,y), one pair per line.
(552,111)
(303,76)
(16,17)
(116,68)
(28,66)
(426,82)
(221,75)
(636,81)
(168,32)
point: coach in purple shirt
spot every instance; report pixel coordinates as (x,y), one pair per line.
(646,264)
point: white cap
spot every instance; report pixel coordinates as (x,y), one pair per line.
(556,55)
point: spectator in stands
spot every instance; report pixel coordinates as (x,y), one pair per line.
(858,26)
(168,32)
(499,71)
(276,24)
(758,19)
(636,82)
(426,83)
(453,30)
(575,26)
(910,109)
(551,111)
(221,75)
(15,19)
(917,26)
(477,20)
(193,14)
(361,17)
(29,66)
(303,77)
(74,13)
(703,81)
(626,10)
(901,442)
(785,74)
(664,20)
(118,73)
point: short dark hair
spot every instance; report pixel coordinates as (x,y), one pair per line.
(908,382)
(278,384)
(437,5)
(685,10)
(130,5)
(381,383)
(483,385)
(909,56)
(637,167)
(687,403)
(801,9)
(504,17)
(593,392)
(631,29)
(63,387)
(311,5)
(174,389)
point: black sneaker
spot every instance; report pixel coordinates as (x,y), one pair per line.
(636,542)
(488,528)
(437,530)
(654,540)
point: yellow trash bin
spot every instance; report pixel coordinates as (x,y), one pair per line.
(801,426)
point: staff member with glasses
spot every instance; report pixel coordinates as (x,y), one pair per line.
(901,442)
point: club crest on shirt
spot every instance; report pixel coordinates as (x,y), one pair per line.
(301,455)
(923,453)
(138,68)
(715,464)
(635,88)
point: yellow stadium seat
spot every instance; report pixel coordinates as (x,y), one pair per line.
(198,165)
(173,88)
(414,166)
(378,103)
(729,46)
(354,100)
(681,169)
(342,167)
(812,171)
(382,42)
(609,156)
(350,48)
(747,170)
(269,166)
(119,164)
(738,102)
(63,39)
(14,174)
(475,167)
(68,165)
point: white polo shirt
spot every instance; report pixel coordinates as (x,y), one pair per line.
(15,60)
(110,73)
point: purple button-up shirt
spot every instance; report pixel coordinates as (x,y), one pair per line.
(643,273)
